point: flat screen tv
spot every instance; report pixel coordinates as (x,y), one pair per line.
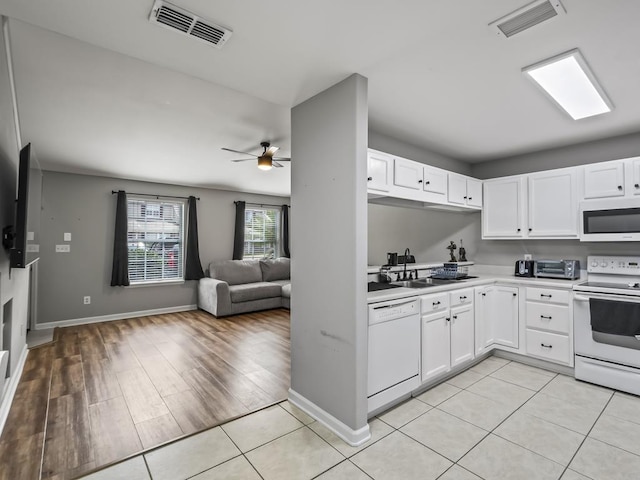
(26,243)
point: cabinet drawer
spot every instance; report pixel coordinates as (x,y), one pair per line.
(461,297)
(548,317)
(549,346)
(548,295)
(435,302)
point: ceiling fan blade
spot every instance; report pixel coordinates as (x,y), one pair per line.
(238,151)
(245,160)
(282,159)
(276,164)
(271,151)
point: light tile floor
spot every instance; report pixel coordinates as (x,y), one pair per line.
(498,420)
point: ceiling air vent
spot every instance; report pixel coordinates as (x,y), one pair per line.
(526,17)
(178,19)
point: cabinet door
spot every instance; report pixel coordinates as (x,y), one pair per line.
(483,329)
(553,204)
(407,174)
(604,180)
(435,180)
(462,335)
(504,315)
(474,192)
(379,171)
(503,208)
(635,169)
(457,189)
(435,344)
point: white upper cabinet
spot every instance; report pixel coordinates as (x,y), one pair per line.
(474,192)
(435,180)
(553,204)
(464,190)
(634,167)
(399,181)
(503,211)
(604,179)
(407,174)
(379,169)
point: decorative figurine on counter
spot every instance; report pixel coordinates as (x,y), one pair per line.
(452,246)
(463,253)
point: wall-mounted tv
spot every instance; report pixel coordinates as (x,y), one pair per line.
(26,243)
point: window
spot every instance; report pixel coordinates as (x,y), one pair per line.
(155,234)
(261,233)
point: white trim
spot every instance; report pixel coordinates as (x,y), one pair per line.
(115,316)
(12,81)
(354,438)
(10,390)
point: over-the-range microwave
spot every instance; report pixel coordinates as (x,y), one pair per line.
(610,220)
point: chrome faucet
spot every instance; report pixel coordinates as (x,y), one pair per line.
(407,252)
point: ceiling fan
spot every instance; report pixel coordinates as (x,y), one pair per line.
(266,160)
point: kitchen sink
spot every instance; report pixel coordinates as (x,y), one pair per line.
(421,283)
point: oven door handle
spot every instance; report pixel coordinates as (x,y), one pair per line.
(602,296)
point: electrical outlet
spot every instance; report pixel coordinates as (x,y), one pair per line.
(527,256)
(87,300)
(67,237)
(63,248)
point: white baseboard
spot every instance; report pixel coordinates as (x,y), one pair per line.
(10,389)
(354,438)
(115,316)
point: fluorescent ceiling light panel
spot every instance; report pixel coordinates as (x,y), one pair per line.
(570,83)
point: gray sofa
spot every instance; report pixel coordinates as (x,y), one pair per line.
(241,286)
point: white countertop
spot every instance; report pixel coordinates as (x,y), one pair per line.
(483,279)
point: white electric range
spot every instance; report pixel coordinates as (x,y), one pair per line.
(607,323)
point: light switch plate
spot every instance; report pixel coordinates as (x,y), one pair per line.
(63,248)
(67,237)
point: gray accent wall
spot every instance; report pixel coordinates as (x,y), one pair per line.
(84,206)
(387,144)
(426,233)
(14,284)
(591,152)
(329,245)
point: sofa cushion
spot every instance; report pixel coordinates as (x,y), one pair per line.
(254,291)
(286,290)
(236,272)
(275,269)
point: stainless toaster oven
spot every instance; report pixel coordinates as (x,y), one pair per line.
(565,269)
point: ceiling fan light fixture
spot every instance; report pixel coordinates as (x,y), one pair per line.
(265,162)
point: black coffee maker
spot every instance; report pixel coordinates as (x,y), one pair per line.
(392,259)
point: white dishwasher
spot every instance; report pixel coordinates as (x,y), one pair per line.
(394,351)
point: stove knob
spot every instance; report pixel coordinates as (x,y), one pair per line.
(603,264)
(594,263)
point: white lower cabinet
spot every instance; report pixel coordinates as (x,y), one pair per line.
(496,317)
(549,324)
(447,331)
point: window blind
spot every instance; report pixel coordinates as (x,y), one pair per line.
(155,238)
(261,233)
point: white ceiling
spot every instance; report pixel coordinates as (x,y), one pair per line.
(439,78)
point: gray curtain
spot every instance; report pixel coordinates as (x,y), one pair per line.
(285,231)
(238,240)
(120,268)
(193,267)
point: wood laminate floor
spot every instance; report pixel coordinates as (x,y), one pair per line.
(105,391)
